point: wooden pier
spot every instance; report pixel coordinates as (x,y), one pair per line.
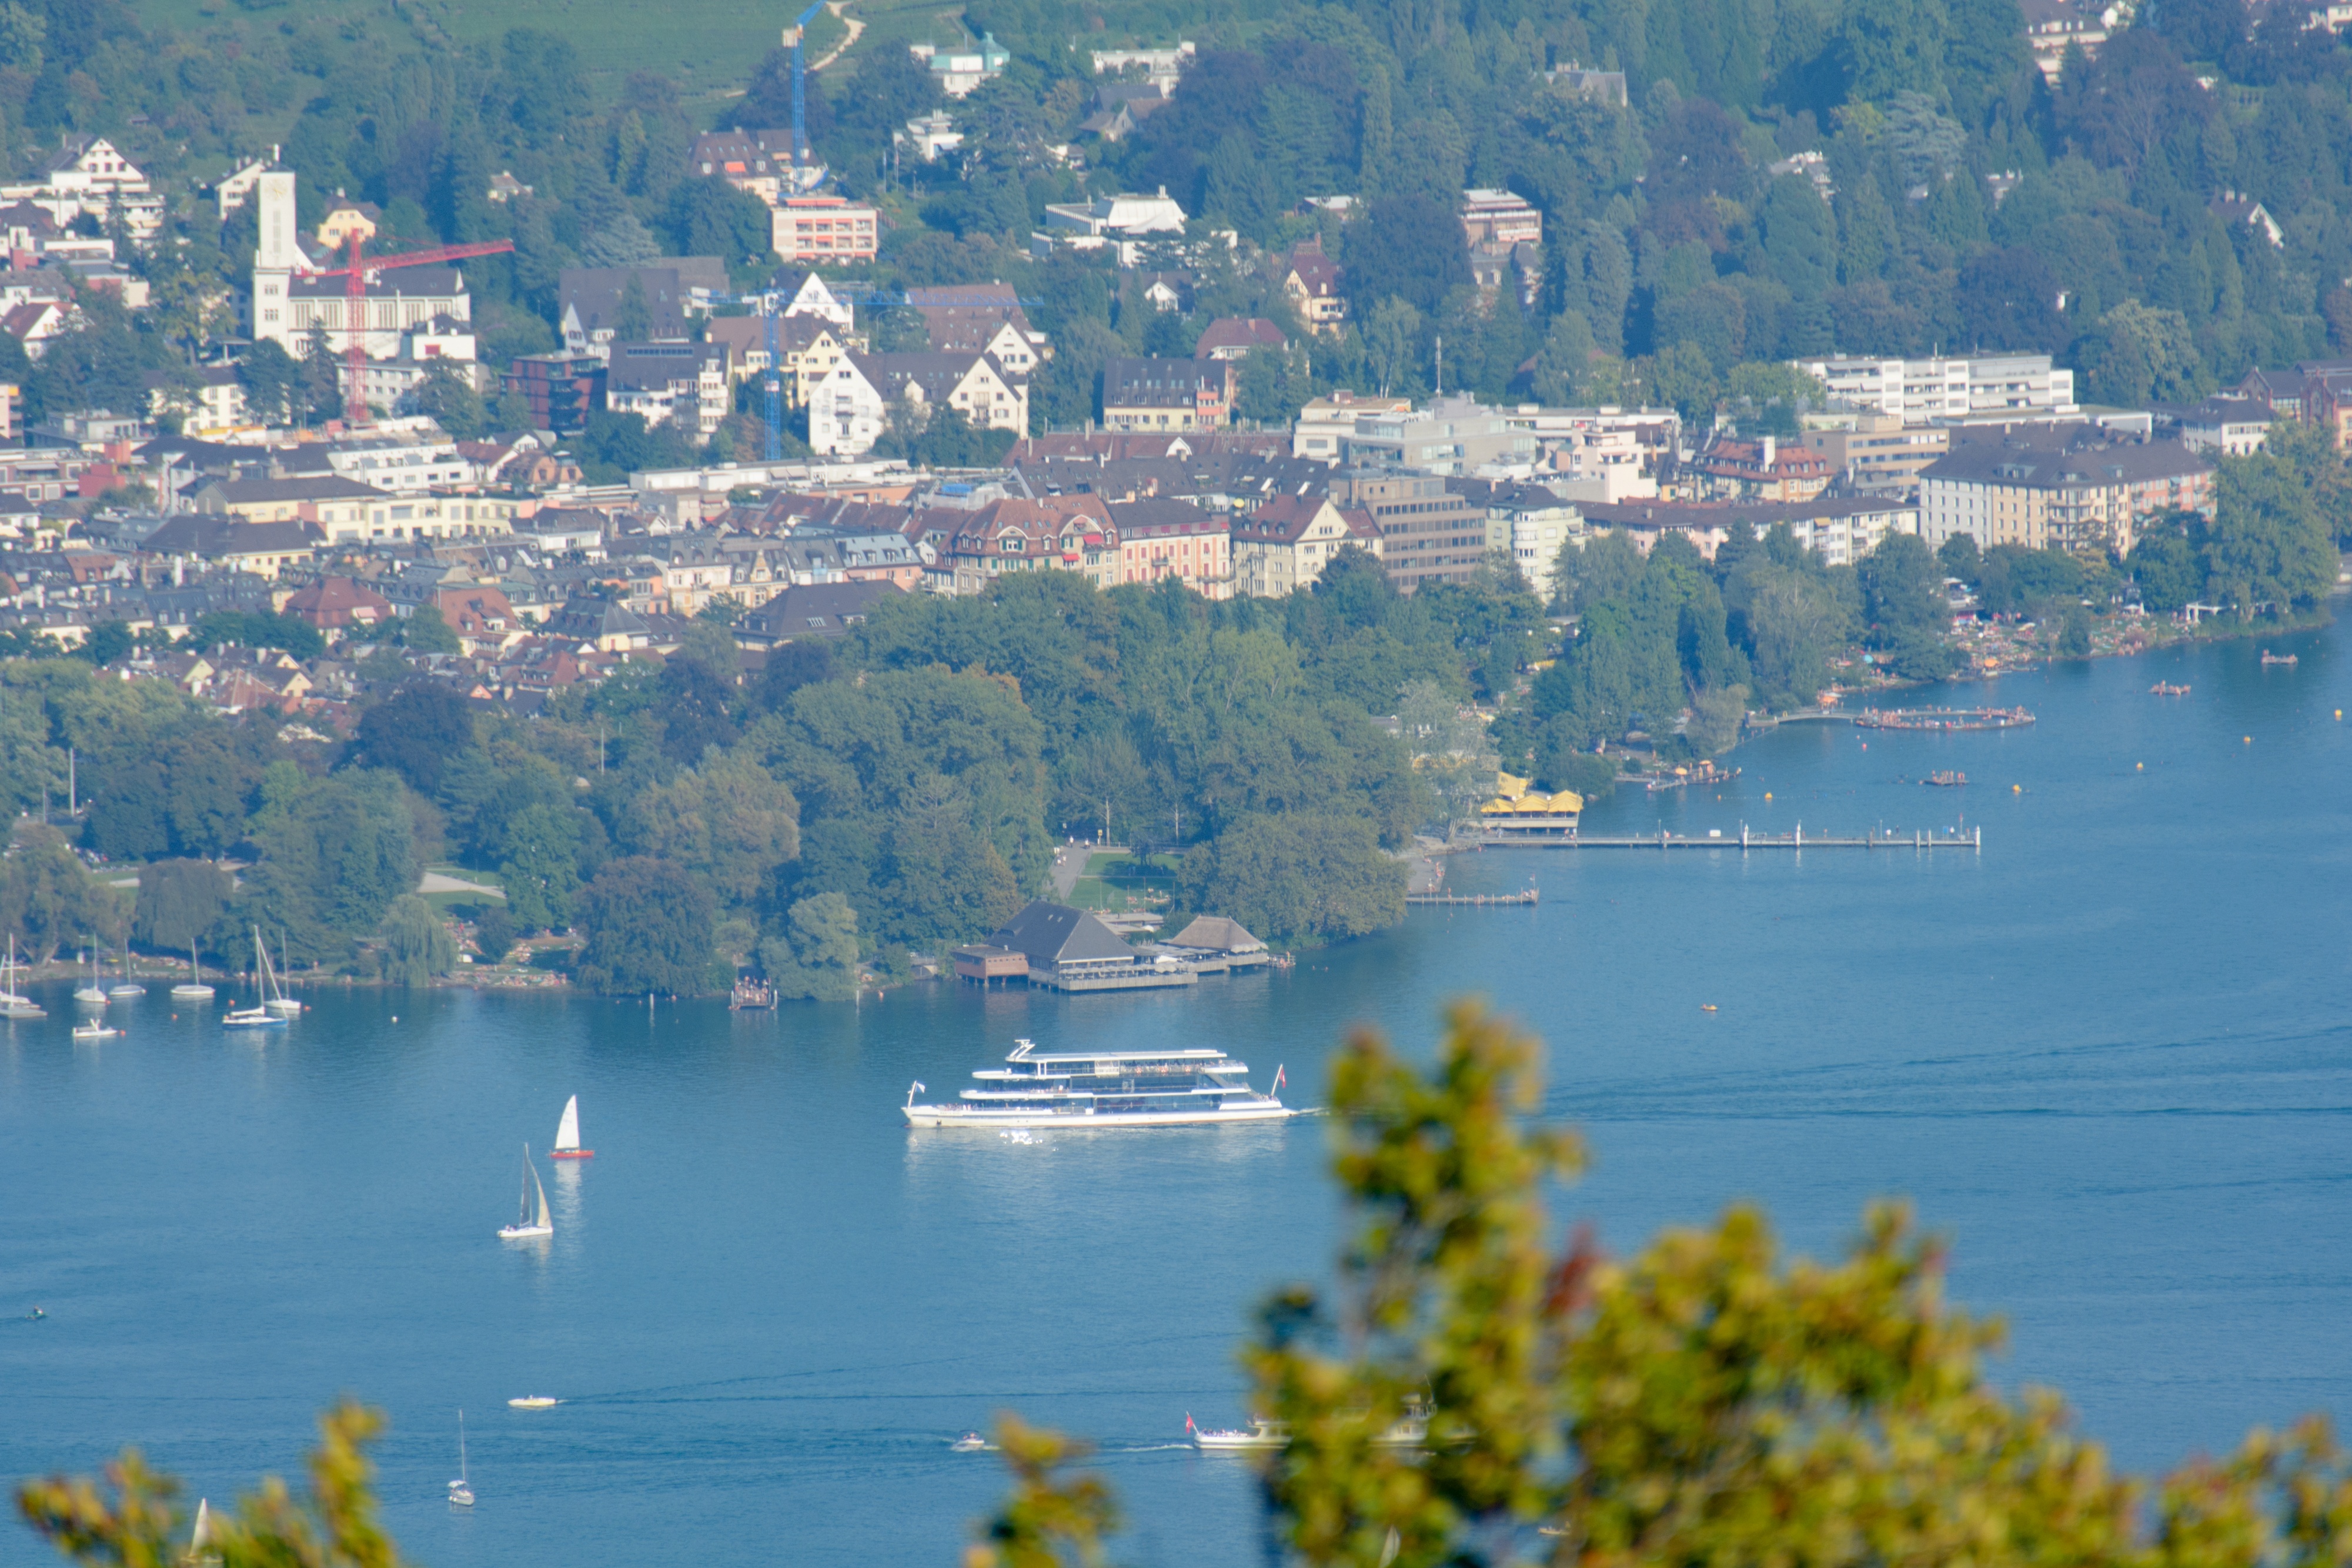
(1526,896)
(1745,840)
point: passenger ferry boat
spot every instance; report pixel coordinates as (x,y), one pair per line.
(1105,1089)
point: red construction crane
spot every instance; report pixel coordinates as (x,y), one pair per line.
(354,276)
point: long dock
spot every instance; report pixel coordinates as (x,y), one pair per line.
(1527,896)
(1746,839)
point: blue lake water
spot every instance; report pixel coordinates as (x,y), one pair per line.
(2109,1056)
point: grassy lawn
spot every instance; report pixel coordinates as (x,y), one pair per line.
(1120,884)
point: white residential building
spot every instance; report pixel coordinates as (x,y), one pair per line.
(88,177)
(1920,392)
(848,413)
(960,72)
(814,298)
(1120,223)
(401,467)
(1161,66)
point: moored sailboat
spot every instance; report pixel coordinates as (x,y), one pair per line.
(126,990)
(259,1016)
(461,1490)
(195,989)
(567,1134)
(273,984)
(89,993)
(525,1228)
(15,1004)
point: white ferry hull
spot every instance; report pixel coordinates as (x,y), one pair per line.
(1081,1118)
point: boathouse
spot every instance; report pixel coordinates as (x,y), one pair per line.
(1066,949)
(1213,944)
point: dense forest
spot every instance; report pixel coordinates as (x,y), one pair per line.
(901,792)
(1674,258)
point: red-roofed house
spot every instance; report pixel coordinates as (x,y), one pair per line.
(1311,279)
(479,614)
(1286,542)
(1762,470)
(33,324)
(338,603)
(1233,336)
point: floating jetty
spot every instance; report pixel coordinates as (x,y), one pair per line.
(1918,839)
(1943,718)
(1526,896)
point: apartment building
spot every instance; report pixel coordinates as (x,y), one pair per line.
(1992,386)
(1429,531)
(1878,453)
(2070,487)
(825,229)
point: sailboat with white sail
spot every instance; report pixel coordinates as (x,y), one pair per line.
(126,991)
(273,984)
(567,1134)
(259,1016)
(461,1490)
(195,990)
(15,1004)
(525,1228)
(90,994)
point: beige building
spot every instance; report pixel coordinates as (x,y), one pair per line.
(825,228)
(2069,486)
(1878,451)
(1284,544)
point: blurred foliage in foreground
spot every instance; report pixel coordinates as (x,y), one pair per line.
(1702,1402)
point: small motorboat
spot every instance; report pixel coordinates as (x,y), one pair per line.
(1946,780)
(2164,689)
(1262,1433)
(94,1029)
(970,1443)
(525,1228)
(535,1402)
(1707,1006)
(125,993)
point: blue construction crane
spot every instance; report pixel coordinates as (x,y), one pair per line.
(794,35)
(770,306)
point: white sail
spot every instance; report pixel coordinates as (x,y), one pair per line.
(544,1223)
(567,1132)
(203,1535)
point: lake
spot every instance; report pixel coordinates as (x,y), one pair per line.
(2110,1057)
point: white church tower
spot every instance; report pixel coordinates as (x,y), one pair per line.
(277,260)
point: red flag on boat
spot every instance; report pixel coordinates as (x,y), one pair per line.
(1188,1420)
(1278,1077)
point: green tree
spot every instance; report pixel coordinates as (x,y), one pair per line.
(817,954)
(2266,545)
(1902,588)
(539,850)
(179,900)
(1296,878)
(424,630)
(417,945)
(140,1525)
(2164,566)
(447,395)
(649,929)
(728,822)
(416,732)
(49,899)
(107,641)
